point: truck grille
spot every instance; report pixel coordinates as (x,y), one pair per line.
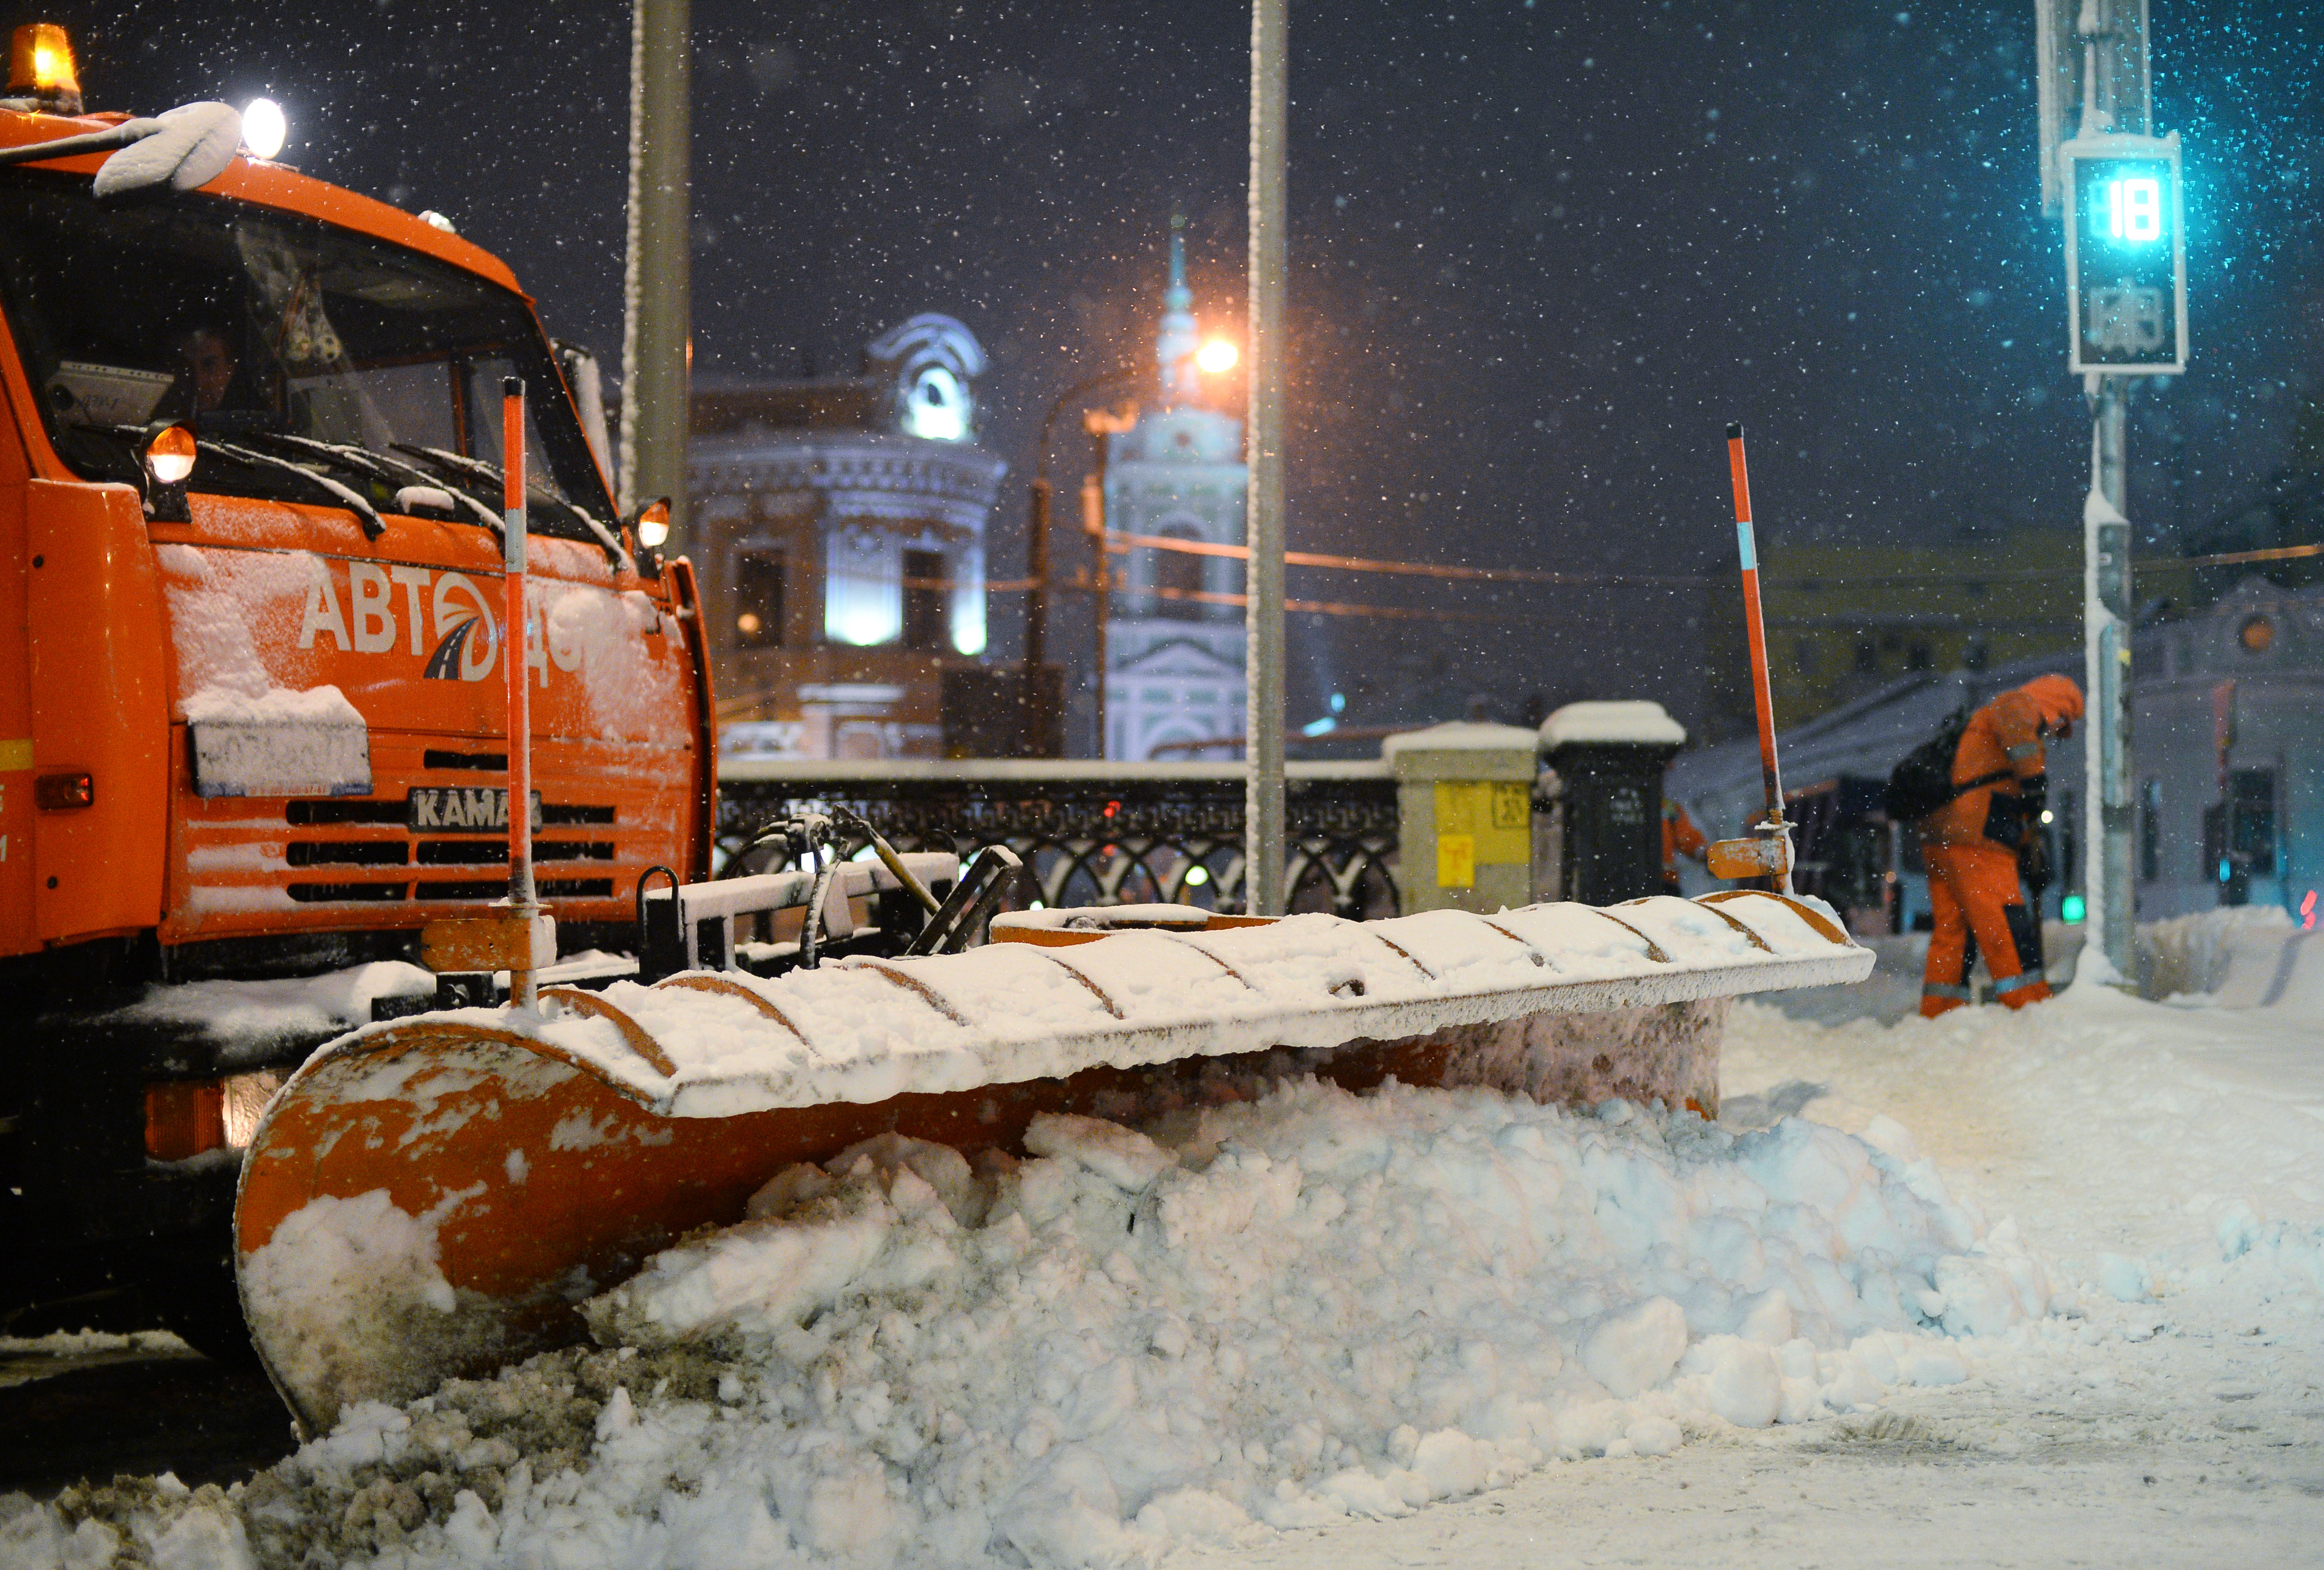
(460,852)
(334,893)
(323,852)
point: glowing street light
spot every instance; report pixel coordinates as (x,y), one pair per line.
(1217,355)
(264,127)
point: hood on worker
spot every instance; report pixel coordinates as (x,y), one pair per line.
(2058,699)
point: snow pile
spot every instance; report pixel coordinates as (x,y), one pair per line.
(2190,954)
(1272,1314)
(245,1018)
(2186,1178)
(248,704)
(341,1271)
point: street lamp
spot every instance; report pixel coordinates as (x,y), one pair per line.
(1216,356)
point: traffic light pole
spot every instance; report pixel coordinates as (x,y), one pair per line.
(2109,891)
(2093,66)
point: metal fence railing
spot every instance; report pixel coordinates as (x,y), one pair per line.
(1097,833)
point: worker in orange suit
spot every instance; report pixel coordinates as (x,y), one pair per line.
(1679,838)
(1972,843)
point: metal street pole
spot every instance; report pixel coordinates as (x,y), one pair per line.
(2116,97)
(2109,893)
(655,339)
(1263,817)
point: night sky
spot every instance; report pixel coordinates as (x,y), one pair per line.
(1541,254)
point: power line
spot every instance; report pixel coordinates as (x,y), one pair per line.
(2237,558)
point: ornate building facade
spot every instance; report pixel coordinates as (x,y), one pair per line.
(839,529)
(1175,661)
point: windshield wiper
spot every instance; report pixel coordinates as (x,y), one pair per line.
(477,469)
(388,471)
(354,501)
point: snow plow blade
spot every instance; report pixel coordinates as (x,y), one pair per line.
(434,1196)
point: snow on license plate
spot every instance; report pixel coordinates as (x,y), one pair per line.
(462,809)
(279,758)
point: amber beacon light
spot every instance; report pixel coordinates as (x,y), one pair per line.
(41,67)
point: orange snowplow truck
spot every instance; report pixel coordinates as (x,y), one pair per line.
(252,690)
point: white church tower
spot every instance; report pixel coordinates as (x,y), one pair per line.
(1174,660)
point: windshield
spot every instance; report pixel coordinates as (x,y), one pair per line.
(287,342)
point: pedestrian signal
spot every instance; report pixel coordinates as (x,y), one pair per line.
(2126,254)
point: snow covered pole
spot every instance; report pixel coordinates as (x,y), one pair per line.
(1263,821)
(523,989)
(1774,858)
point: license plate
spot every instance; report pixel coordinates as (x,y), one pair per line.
(462,809)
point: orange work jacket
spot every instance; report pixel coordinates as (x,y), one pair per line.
(2003,746)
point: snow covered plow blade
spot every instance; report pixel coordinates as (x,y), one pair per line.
(437,1195)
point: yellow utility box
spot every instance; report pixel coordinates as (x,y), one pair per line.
(1464,810)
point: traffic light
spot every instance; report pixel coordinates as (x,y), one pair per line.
(2126,254)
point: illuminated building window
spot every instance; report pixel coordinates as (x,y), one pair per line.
(758,599)
(925,599)
(2257,635)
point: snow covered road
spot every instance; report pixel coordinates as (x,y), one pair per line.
(1450,1328)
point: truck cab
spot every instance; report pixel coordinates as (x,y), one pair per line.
(252,714)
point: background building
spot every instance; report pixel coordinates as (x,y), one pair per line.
(1848,620)
(1175,662)
(839,527)
(2229,753)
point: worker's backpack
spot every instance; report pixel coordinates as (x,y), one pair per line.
(1924,780)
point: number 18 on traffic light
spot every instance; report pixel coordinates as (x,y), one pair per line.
(2126,254)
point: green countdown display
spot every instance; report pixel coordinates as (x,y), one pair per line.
(2125,255)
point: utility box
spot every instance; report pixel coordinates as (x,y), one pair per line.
(1603,787)
(1464,816)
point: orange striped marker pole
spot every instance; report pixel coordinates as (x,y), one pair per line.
(1772,827)
(523,991)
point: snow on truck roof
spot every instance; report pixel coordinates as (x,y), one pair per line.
(863,1030)
(1635,721)
(280,188)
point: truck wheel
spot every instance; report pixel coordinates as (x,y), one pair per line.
(192,1290)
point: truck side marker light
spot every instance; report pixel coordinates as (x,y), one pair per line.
(64,792)
(184,1118)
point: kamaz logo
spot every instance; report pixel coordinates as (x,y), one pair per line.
(442,617)
(461,809)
